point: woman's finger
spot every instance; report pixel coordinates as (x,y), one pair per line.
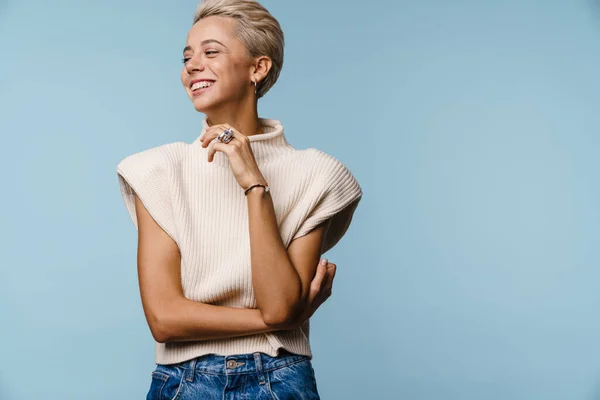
(208,133)
(213,132)
(317,282)
(328,281)
(218,146)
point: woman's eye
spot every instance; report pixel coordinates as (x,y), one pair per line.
(185,59)
(211,52)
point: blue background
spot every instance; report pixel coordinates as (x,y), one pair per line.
(471,268)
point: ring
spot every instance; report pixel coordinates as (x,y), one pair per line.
(226,136)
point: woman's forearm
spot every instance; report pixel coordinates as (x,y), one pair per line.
(276,283)
(183,320)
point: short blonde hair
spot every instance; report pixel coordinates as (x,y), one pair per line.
(256,28)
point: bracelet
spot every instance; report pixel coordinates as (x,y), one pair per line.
(267,188)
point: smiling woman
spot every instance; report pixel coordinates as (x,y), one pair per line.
(232,226)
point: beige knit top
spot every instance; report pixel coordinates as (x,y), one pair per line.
(203,208)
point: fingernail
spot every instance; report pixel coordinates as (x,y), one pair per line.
(324,261)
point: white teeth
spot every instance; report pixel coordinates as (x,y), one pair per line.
(201,85)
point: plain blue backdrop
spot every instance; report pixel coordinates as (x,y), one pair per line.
(471,268)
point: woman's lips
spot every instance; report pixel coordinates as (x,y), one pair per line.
(198,92)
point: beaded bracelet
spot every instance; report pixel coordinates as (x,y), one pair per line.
(267,188)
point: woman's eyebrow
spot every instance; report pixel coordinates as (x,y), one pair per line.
(211,41)
(207,41)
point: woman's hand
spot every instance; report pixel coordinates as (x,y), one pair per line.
(320,290)
(238,151)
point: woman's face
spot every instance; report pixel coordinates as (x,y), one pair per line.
(217,68)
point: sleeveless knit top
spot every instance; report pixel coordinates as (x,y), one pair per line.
(203,209)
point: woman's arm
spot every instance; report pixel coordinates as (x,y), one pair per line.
(174,318)
(170,315)
(281,277)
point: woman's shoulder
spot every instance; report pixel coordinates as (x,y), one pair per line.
(331,192)
(325,164)
(320,155)
(147,174)
(163,156)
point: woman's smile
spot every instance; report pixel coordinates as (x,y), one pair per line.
(200,87)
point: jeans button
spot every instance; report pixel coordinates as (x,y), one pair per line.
(231,364)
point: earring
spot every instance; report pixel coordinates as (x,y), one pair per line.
(254,87)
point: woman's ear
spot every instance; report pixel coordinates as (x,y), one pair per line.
(262,66)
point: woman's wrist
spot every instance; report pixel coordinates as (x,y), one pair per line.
(258,188)
(256,184)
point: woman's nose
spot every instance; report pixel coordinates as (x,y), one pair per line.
(194,64)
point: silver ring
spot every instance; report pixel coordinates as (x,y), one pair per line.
(226,136)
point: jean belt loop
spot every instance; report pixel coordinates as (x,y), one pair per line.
(190,372)
(259,369)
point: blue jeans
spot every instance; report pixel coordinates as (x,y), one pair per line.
(245,376)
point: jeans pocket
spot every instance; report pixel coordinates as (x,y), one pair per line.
(159,380)
(312,372)
(166,383)
(294,382)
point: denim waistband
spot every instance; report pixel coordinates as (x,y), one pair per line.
(241,363)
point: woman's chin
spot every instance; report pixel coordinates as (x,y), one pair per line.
(202,105)
(206,105)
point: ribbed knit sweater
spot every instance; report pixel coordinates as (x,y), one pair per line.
(203,208)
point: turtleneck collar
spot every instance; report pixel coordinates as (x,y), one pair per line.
(267,145)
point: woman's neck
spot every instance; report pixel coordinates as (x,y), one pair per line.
(242,119)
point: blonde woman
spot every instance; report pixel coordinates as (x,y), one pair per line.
(231,227)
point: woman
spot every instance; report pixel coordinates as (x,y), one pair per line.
(232,226)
